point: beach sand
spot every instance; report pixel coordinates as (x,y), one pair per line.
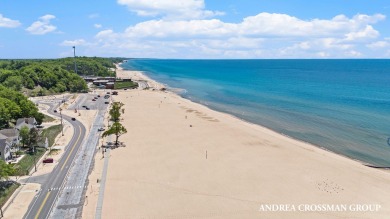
(184,160)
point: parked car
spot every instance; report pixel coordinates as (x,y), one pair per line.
(48,160)
(98,95)
(84,106)
(106,102)
(55,111)
(39,126)
(87,108)
(73,119)
(93,99)
(101,129)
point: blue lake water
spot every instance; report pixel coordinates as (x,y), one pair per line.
(340,105)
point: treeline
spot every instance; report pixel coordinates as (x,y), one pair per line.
(51,76)
(22,78)
(91,66)
(14,105)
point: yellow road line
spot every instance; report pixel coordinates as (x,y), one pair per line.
(70,152)
(43,204)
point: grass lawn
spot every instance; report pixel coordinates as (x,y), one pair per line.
(28,162)
(125,84)
(51,133)
(6,190)
(47,118)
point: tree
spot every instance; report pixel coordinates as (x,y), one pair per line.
(115,111)
(5,170)
(9,110)
(33,138)
(14,82)
(116,129)
(24,134)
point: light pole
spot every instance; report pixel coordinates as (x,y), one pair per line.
(74,58)
(62,125)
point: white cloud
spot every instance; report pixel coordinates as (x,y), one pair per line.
(98,26)
(42,26)
(263,35)
(367,33)
(6,22)
(378,45)
(173,9)
(77,42)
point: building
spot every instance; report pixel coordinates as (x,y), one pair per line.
(5,148)
(29,122)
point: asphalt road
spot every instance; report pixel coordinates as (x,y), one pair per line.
(42,203)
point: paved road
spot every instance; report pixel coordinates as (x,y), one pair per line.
(70,201)
(42,203)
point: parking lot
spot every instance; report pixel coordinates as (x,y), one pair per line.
(91,101)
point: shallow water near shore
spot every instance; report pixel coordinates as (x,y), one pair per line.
(340,105)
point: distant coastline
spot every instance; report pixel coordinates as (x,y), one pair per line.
(222,109)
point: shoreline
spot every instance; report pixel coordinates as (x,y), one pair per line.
(182,159)
(159,85)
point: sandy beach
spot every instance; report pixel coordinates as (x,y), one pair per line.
(184,160)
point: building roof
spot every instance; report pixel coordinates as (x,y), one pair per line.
(29,122)
(3,137)
(10,132)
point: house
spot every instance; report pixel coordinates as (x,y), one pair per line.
(11,137)
(29,122)
(11,134)
(5,148)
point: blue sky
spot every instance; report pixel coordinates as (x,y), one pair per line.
(196,28)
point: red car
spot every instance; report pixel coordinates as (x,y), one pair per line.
(48,160)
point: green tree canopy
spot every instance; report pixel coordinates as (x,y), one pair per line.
(116,129)
(24,134)
(9,111)
(6,170)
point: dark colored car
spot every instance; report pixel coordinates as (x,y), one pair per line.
(101,129)
(87,108)
(73,119)
(84,106)
(93,99)
(48,160)
(106,102)
(98,95)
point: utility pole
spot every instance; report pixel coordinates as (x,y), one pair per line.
(62,125)
(74,58)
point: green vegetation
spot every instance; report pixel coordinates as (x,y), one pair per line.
(40,77)
(27,163)
(6,190)
(117,128)
(54,151)
(24,135)
(125,84)
(5,170)
(21,78)
(51,133)
(47,118)
(14,105)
